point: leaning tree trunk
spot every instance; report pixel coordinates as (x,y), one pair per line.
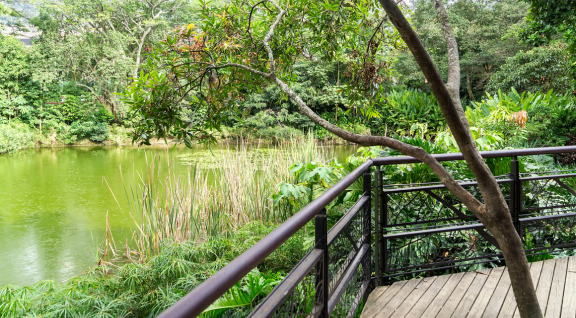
(495,214)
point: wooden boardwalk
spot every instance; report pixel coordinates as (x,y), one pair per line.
(485,293)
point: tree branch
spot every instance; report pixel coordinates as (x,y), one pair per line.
(244,67)
(453,83)
(451,108)
(269,36)
(467,199)
(451,184)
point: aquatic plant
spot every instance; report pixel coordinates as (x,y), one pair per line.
(234,190)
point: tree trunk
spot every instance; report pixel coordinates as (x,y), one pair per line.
(338,79)
(518,269)
(494,214)
(470,93)
(139,51)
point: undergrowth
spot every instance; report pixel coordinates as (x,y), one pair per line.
(146,289)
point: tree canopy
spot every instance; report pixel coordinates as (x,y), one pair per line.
(486,32)
(206,70)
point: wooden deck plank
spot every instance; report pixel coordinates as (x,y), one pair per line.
(543,289)
(443,295)
(477,294)
(535,270)
(373,297)
(416,294)
(471,294)
(486,293)
(569,301)
(398,299)
(383,299)
(554,307)
(428,297)
(498,297)
(509,305)
(452,303)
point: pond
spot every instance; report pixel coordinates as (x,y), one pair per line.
(53,205)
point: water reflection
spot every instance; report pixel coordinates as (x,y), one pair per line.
(53,203)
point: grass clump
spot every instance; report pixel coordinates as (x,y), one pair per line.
(216,196)
(146,289)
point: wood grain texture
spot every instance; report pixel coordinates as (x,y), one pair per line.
(569,300)
(498,297)
(457,295)
(424,301)
(554,307)
(398,299)
(383,299)
(414,297)
(373,297)
(471,294)
(443,295)
(486,293)
(543,289)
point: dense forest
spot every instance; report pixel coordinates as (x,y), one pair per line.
(64,88)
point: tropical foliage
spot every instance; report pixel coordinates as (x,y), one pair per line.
(540,69)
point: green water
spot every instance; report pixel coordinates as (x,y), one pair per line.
(53,204)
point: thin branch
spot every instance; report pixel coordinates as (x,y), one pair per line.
(375,32)
(250,16)
(244,67)
(270,34)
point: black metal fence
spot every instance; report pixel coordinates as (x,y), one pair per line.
(411,229)
(423,228)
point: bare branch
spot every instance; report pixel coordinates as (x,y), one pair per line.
(250,15)
(269,36)
(453,83)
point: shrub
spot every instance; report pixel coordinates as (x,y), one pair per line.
(119,134)
(540,69)
(93,130)
(403,108)
(553,122)
(146,289)
(15,136)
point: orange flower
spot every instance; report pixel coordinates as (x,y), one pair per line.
(520,118)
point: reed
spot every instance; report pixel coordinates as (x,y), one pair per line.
(213,197)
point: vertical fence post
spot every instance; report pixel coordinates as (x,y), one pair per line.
(515,193)
(367,221)
(383,226)
(378,225)
(322,277)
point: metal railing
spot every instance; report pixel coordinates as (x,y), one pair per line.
(418,228)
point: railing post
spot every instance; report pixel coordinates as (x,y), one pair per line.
(383,226)
(378,225)
(322,277)
(515,193)
(367,220)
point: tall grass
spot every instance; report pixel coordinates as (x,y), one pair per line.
(214,197)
